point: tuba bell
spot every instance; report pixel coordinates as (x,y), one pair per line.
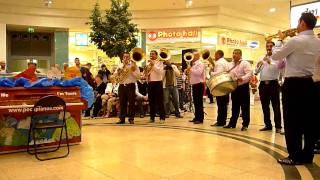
(164,54)
(205,54)
(188,57)
(137,54)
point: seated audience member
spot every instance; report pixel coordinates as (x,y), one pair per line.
(141,99)
(99,90)
(110,97)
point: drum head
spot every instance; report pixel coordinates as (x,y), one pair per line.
(224,88)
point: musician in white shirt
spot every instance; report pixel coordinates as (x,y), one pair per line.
(221,65)
(242,72)
(299,91)
(269,89)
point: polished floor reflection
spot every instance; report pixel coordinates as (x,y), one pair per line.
(174,150)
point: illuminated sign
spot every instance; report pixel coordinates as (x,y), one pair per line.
(174,35)
(296,12)
(241,43)
(81,39)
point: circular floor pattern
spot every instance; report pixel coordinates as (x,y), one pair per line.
(290,172)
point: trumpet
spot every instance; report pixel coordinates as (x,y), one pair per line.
(164,54)
(289,32)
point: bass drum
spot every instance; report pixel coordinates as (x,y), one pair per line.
(221,84)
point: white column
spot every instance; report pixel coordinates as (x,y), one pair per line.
(3,42)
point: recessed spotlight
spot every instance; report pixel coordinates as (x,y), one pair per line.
(272,10)
(188,3)
(48,3)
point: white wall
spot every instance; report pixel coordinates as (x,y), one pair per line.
(3,42)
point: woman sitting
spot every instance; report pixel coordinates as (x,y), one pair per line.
(110,97)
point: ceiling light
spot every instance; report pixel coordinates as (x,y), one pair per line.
(48,3)
(272,10)
(188,3)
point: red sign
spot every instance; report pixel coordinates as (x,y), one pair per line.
(174,35)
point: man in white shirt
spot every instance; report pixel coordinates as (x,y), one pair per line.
(127,88)
(170,90)
(299,91)
(242,72)
(316,78)
(221,65)
(269,89)
(155,87)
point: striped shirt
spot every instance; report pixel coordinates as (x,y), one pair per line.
(179,82)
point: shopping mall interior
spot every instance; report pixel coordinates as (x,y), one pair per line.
(55,32)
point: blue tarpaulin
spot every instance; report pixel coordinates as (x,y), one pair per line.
(86,90)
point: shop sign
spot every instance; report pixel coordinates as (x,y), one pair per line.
(296,12)
(174,35)
(240,43)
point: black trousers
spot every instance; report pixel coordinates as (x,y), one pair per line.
(270,91)
(197,95)
(298,98)
(209,95)
(127,94)
(222,103)
(97,106)
(155,95)
(318,118)
(240,99)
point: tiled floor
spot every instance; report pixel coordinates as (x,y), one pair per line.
(175,150)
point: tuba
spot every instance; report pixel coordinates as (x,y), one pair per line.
(206,56)
(188,57)
(289,32)
(164,54)
(136,55)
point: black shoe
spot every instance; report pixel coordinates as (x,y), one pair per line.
(217,125)
(198,122)
(266,129)
(288,161)
(244,128)
(192,120)
(179,116)
(278,130)
(131,121)
(120,122)
(229,126)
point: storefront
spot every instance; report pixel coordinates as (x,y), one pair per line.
(81,47)
(176,40)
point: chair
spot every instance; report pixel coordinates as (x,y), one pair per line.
(46,106)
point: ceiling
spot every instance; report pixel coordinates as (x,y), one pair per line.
(258,8)
(255,6)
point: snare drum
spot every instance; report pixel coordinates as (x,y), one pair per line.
(222,84)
